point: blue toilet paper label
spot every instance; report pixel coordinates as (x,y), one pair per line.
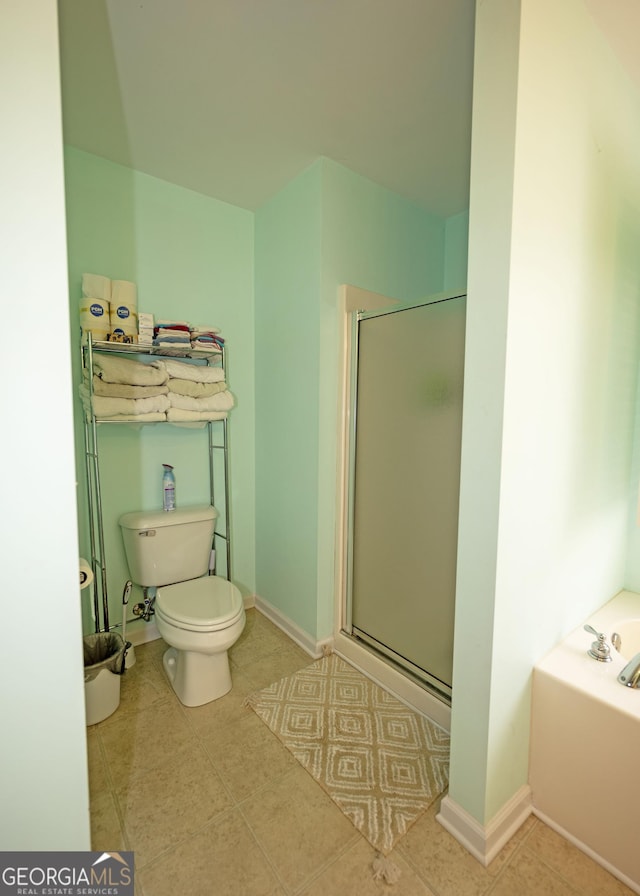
(96,310)
(123,312)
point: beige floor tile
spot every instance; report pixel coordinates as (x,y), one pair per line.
(527,875)
(99,781)
(135,743)
(441,861)
(246,755)
(276,665)
(298,826)
(212,803)
(144,683)
(225,711)
(151,650)
(171,802)
(353,875)
(106,832)
(585,875)
(257,641)
(221,860)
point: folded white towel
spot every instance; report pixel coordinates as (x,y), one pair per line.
(105,407)
(204,328)
(124,390)
(114,369)
(180,415)
(223,401)
(170,349)
(195,390)
(199,373)
(167,321)
(206,348)
(172,337)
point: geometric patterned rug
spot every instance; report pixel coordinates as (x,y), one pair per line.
(381,763)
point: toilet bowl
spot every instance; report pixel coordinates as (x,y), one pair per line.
(200,620)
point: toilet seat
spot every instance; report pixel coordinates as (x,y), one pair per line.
(208,604)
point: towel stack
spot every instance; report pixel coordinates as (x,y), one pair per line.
(196,393)
(127,390)
(172,334)
(205,338)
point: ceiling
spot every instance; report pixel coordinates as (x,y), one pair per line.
(234,98)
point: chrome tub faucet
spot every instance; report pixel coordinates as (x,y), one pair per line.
(630,675)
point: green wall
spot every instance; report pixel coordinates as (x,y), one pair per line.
(192,258)
(270,282)
(552,354)
(287,351)
(327,227)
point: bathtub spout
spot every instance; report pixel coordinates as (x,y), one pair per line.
(630,675)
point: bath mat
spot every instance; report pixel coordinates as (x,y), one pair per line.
(380,762)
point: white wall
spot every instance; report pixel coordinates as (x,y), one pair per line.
(43,773)
(552,354)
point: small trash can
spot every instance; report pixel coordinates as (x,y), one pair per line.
(104,663)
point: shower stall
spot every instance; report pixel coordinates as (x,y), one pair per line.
(406,369)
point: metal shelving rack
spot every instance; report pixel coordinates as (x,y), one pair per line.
(92,464)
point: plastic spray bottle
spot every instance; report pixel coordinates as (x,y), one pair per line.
(168,488)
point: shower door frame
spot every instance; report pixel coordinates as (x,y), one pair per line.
(410,687)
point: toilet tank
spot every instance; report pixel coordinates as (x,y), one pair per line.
(163,548)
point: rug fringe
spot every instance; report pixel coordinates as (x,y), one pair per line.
(386,870)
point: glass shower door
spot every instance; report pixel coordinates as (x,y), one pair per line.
(404,479)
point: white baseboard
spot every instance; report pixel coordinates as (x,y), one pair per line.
(302,639)
(485,842)
(142,633)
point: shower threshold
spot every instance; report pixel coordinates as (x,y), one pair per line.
(403,682)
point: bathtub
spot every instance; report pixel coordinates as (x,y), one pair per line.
(585,743)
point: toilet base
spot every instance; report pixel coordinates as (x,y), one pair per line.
(197,678)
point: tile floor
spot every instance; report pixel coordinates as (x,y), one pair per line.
(212,804)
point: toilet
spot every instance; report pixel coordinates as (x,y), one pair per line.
(198,615)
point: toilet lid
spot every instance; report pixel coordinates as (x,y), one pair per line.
(205,604)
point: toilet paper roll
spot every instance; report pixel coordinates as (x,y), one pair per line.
(95,317)
(94,310)
(86,574)
(95,286)
(123,319)
(123,292)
